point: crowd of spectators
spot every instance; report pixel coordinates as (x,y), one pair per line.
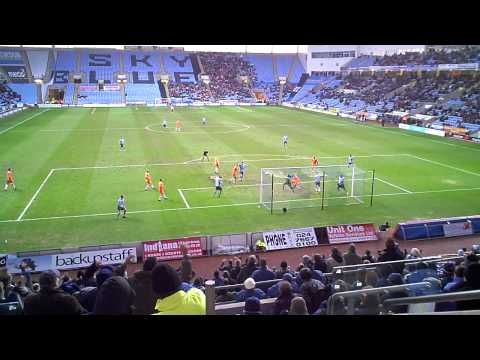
(107,290)
(225,72)
(195,92)
(431,57)
(8,96)
(306,289)
(299,290)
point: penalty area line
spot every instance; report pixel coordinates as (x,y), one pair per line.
(35,195)
(183,198)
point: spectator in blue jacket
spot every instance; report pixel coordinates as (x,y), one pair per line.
(284,268)
(457,281)
(263,274)
(249,291)
(274,291)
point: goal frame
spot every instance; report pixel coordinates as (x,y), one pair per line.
(321,168)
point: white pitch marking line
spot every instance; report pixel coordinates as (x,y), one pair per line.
(183,197)
(35,195)
(225,161)
(93,111)
(445,165)
(23,121)
(395,186)
(229,205)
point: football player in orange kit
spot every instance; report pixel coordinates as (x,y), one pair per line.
(161,190)
(148,181)
(10,180)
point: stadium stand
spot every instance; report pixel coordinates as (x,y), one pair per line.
(396,282)
(100,65)
(8,97)
(27,92)
(142,92)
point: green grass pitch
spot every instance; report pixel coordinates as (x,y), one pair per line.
(69,171)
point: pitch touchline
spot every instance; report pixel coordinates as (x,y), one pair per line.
(23,121)
(228,205)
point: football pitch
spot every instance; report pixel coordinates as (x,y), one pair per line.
(69,172)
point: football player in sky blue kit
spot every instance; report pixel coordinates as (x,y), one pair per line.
(285,141)
(350,160)
(121,206)
(341,183)
(122,143)
(242,167)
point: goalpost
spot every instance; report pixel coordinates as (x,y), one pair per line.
(276,194)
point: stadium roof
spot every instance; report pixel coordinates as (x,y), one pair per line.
(217,48)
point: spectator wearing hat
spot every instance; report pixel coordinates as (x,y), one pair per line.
(249,291)
(274,291)
(298,306)
(141,283)
(88,294)
(414,254)
(114,297)
(263,274)
(252,306)
(172,299)
(457,281)
(284,299)
(50,300)
(368,256)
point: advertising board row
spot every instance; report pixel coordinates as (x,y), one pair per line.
(422,129)
(298,238)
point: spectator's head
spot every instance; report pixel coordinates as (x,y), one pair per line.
(352,249)
(216,274)
(461,252)
(226,274)
(287,277)
(252,260)
(368,253)
(337,255)
(460,271)
(49,279)
(285,288)
(306,260)
(390,244)
(263,263)
(472,275)
(395,279)
(371,278)
(317,258)
(306,274)
(252,306)
(103,274)
(114,297)
(149,264)
(472,258)
(249,284)
(414,252)
(165,280)
(298,306)
(284,265)
(198,282)
(36,287)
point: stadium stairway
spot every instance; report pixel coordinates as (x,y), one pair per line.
(400,89)
(291,70)
(197,69)
(303,79)
(163,90)
(274,67)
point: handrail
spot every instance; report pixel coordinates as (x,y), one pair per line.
(415,260)
(460,312)
(354,293)
(455,296)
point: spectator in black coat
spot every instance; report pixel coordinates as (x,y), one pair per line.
(313,291)
(114,297)
(248,269)
(88,294)
(368,256)
(396,279)
(141,283)
(319,263)
(392,253)
(284,269)
(284,300)
(218,280)
(237,267)
(50,300)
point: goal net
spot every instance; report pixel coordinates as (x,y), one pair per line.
(299,187)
